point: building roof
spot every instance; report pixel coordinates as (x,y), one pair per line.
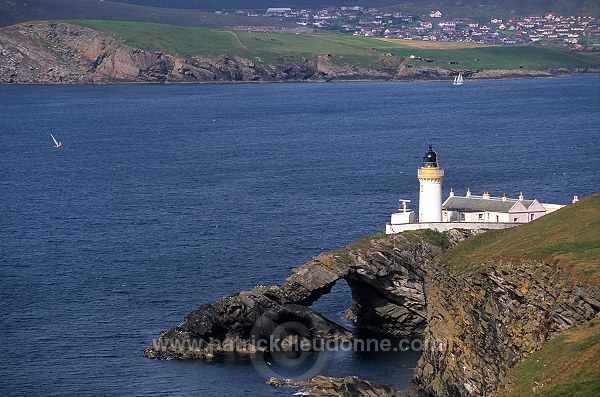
(480,204)
(278,9)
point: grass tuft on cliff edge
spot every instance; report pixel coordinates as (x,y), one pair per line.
(569,237)
(566,366)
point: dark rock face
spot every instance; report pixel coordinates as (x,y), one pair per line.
(483,323)
(235,324)
(386,277)
(65,53)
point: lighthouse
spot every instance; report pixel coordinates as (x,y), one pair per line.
(468,212)
(430,195)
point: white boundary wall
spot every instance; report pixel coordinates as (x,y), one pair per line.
(445,226)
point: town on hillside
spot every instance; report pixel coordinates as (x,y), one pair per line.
(575,32)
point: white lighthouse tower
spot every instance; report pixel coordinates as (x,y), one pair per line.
(430,197)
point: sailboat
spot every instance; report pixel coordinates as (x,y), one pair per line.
(458,80)
(57,144)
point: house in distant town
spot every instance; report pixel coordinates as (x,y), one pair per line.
(277,12)
(553,30)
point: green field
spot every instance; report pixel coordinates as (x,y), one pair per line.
(271,47)
(569,237)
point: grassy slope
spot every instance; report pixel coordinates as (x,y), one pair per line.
(566,366)
(189,41)
(569,236)
(466,7)
(16,11)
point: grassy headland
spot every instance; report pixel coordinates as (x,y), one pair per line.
(342,50)
(570,237)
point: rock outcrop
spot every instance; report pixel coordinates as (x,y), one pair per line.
(63,53)
(238,323)
(476,324)
(326,386)
(36,53)
(386,275)
(477,319)
(481,323)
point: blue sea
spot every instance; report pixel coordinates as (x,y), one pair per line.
(165,197)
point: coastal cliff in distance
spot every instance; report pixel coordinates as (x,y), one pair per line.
(514,312)
(66,53)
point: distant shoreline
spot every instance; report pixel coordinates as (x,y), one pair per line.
(508,76)
(66,53)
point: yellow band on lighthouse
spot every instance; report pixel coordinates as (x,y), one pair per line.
(430,173)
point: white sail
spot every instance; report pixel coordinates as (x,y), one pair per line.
(56,143)
(458,80)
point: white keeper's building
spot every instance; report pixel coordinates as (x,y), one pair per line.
(468,212)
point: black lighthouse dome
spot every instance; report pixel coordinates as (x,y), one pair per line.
(430,158)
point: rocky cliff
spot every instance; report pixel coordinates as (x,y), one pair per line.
(481,323)
(54,53)
(66,53)
(477,321)
(386,275)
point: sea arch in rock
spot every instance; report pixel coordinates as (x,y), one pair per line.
(386,276)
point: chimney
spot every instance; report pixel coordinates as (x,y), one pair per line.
(575,199)
(521,196)
(503,196)
(451,192)
(468,192)
(486,195)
